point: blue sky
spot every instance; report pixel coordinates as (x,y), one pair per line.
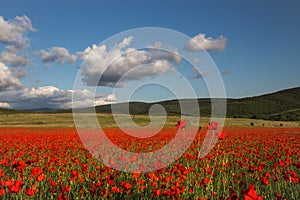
(260,55)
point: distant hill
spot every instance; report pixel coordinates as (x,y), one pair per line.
(4,111)
(282,105)
(44,110)
(172,107)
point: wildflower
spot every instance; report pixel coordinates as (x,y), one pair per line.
(221,135)
(181,124)
(2,192)
(136,175)
(250,193)
(29,192)
(157,192)
(204,181)
(36,171)
(212,126)
(40,178)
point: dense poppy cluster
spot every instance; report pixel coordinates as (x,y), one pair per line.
(52,163)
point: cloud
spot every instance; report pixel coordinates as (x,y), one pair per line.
(57,54)
(4,105)
(13,31)
(200,43)
(196,60)
(8,81)
(113,63)
(111,98)
(160,51)
(50,97)
(13,35)
(199,74)
(18,73)
(226,72)
(125,42)
(15,57)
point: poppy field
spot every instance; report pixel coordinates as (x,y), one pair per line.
(248,163)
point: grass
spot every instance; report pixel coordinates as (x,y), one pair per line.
(106,120)
(36,120)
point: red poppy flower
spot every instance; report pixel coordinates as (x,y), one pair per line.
(212,126)
(29,192)
(62,197)
(265,180)
(279,196)
(127,186)
(157,192)
(75,173)
(14,188)
(204,181)
(36,171)
(221,135)
(181,124)
(40,178)
(136,175)
(67,188)
(250,193)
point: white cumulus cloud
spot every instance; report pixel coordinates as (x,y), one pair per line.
(160,51)
(4,105)
(7,79)
(12,31)
(13,35)
(125,42)
(51,97)
(57,54)
(15,57)
(112,64)
(200,42)
(111,98)
(18,73)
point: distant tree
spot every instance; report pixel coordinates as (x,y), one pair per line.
(253,117)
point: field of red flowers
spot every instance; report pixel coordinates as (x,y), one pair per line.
(52,163)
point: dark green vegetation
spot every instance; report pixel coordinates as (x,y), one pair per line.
(279,106)
(4,111)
